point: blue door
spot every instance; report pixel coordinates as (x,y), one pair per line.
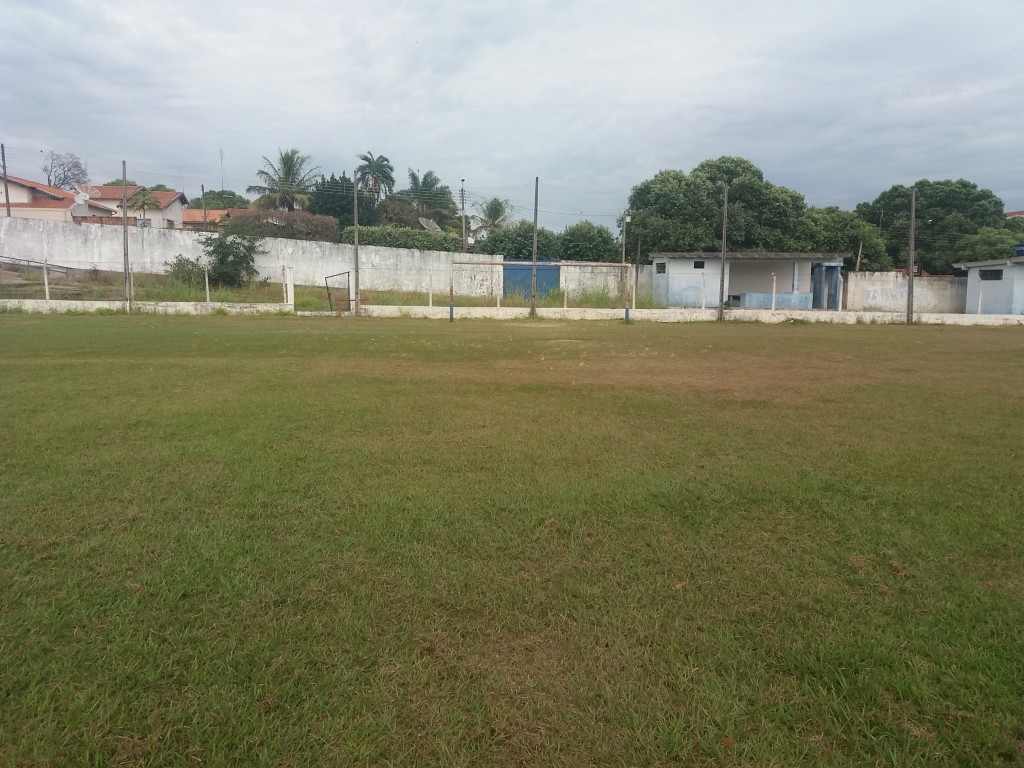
(518,277)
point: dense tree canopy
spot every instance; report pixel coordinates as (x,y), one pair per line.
(219,199)
(832,230)
(675,211)
(333,197)
(586,241)
(286,183)
(515,243)
(947,212)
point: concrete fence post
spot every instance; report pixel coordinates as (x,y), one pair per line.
(284,284)
(773,291)
(703,293)
(290,288)
(206,275)
(46,281)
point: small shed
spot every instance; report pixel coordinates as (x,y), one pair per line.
(753,279)
(995,287)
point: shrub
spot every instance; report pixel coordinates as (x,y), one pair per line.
(232,258)
(401,237)
(290,225)
(186,271)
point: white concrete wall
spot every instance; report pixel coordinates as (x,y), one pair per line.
(887,292)
(83,246)
(575,281)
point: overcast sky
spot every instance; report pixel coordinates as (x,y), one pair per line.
(838,100)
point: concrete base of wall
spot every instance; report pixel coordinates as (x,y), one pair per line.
(675,315)
(141,307)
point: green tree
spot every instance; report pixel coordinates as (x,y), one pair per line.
(987,244)
(143,201)
(118,183)
(232,258)
(333,197)
(376,175)
(492,214)
(675,211)
(430,198)
(586,241)
(397,212)
(515,243)
(286,183)
(947,212)
(219,199)
(832,230)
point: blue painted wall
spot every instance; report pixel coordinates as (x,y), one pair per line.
(518,278)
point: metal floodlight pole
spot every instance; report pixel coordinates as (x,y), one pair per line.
(533,275)
(910,257)
(355,238)
(725,234)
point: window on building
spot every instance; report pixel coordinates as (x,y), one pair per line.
(990,274)
(698,265)
(659,268)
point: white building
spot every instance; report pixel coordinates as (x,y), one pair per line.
(995,287)
(753,279)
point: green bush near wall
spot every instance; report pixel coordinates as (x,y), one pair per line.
(398,237)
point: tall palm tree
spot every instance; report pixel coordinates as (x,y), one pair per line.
(431,198)
(376,175)
(286,184)
(494,214)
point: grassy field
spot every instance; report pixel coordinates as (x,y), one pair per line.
(321,542)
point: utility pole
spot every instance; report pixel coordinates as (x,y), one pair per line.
(124,229)
(462,193)
(533,275)
(355,236)
(910,256)
(725,234)
(202,187)
(7,194)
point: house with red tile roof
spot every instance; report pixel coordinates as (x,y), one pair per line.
(166,215)
(215,218)
(35,200)
(1015,214)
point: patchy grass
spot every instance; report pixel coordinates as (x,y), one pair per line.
(233,541)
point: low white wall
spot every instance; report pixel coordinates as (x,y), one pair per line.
(61,306)
(887,292)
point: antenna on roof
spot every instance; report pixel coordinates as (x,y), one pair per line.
(82,197)
(429,224)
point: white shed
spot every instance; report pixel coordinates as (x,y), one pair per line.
(752,279)
(995,287)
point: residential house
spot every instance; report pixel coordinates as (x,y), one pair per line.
(35,200)
(211,219)
(753,279)
(166,215)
